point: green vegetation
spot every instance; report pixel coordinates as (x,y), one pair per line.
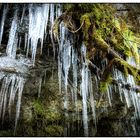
(54,130)
(102,30)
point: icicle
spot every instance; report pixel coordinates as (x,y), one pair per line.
(61,42)
(2,74)
(12,92)
(59,72)
(92,98)
(46,16)
(51,24)
(58,10)
(135,103)
(23,13)
(44,76)
(38,18)
(110,91)
(8,80)
(84,88)
(72,94)
(127,98)
(25,41)
(52,16)
(43,29)
(12,42)
(19,42)
(66,56)
(74,64)
(109,95)
(2,22)
(2,93)
(20,89)
(39,89)
(64,61)
(120,91)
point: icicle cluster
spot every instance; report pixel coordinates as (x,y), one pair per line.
(130,95)
(38,19)
(12,86)
(86,90)
(68,58)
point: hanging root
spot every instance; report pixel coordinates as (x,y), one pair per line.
(56,24)
(77,29)
(68,22)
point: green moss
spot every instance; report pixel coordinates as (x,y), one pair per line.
(39,109)
(54,130)
(52,112)
(105,83)
(87,23)
(49,113)
(27,115)
(6,133)
(128,40)
(100,41)
(68,7)
(38,118)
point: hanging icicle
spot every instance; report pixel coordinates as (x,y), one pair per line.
(12,42)
(75,70)
(131,97)
(84,88)
(66,62)
(52,16)
(3,21)
(92,101)
(21,82)
(12,86)
(38,19)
